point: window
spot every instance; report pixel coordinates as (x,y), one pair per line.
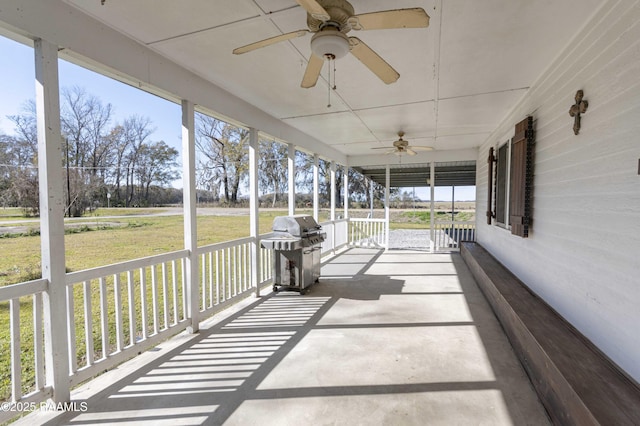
(513,181)
(502,168)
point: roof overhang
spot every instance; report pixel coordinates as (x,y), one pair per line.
(454,173)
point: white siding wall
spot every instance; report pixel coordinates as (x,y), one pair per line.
(583,253)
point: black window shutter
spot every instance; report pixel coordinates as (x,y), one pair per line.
(521,185)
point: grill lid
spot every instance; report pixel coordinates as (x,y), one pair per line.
(297,226)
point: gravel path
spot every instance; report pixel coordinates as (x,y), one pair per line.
(409,239)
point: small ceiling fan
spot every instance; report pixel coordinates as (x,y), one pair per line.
(402,146)
(330,21)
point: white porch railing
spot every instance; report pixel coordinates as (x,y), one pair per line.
(368,232)
(126,308)
(25,300)
(449,234)
(337,235)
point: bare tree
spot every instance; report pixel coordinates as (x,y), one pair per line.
(272,166)
(223,148)
(137,130)
(84,121)
(158,163)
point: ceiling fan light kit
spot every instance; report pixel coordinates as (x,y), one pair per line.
(330,43)
(330,21)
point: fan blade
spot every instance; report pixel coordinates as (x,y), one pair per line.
(421,148)
(269,41)
(390,19)
(410,151)
(373,61)
(312,72)
(314,9)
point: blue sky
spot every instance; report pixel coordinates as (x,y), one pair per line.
(17,86)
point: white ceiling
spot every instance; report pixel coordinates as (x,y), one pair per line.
(458,78)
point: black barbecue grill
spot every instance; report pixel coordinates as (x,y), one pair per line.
(297,242)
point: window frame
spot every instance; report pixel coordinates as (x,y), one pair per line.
(507,185)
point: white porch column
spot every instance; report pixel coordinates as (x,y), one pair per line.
(432,185)
(292,179)
(371,197)
(50,175)
(345,182)
(333,190)
(387,205)
(254,210)
(333,206)
(190,214)
(316,187)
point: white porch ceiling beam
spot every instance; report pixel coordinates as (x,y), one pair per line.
(101,48)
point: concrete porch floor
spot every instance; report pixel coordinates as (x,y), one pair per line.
(385,338)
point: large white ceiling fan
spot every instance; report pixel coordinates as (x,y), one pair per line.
(330,21)
(402,146)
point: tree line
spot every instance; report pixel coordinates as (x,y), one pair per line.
(101,159)
(223,166)
(120,164)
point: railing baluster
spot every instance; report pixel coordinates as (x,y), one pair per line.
(165,295)
(71,331)
(16,361)
(38,341)
(132,309)
(224,275)
(143,301)
(211,302)
(117,298)
(104,317)
(238,268)
(203,302)
(233,267)
(184,289)
(154,297)
(88,321)
(246,266)
(174,283)
(217,277)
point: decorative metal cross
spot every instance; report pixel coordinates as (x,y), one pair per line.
(580,107)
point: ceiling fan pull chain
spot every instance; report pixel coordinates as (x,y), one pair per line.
(329,78)
(334,75)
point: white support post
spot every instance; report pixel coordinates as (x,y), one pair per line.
(254,210)
(387,205)
(50,175)
(333,190)
(345,181)
(432,185)
(316,187)
(371,193)
(292,178)
(333,206)
(190,213)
